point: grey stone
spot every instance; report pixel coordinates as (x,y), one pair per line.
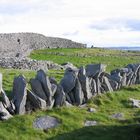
(85,83)
(59,96)
(37,89)
(7,103)
(92,110)
(68,65)
(19,94)
(69,80)
(90,123)
(107,84)
(35,101)
(94,69)
(71,96)
(93,86)
(67,104)
(46,85)
(53,88)
(135,103)
(118,116)
(78,93)
(46,122)
(4,114)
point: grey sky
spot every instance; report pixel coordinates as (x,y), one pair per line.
(98,22)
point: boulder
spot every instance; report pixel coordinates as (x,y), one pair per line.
(7,103)
(95,69)
(78,93)
(107,84)
(90,123)
(69,80)
(93,87)
(46,122)
(35,101)
(59,96)
(19,94)
(46,85)
(4,114)
(53,88)
(37,89)
(85,83)
(135,103)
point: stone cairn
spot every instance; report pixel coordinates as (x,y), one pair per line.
(76,88)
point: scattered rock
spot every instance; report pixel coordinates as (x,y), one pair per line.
(92,109)
(90,123)
(46,122)
(135,103)
(118,116)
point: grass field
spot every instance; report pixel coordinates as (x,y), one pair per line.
(72,119)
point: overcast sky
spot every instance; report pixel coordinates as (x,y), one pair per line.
(103,23)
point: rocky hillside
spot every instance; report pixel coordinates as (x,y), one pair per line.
(21,44)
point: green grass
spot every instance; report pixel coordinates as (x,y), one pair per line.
(81,57)
(72,119)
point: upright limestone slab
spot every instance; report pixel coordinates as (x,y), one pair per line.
(19,94)
(46,85)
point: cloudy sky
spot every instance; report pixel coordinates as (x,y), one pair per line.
(103,23)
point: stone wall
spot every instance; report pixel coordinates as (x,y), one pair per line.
(21,44)
(76,88)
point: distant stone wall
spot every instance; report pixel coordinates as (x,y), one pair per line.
(21,44)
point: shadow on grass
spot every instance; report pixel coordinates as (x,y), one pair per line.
(129,132)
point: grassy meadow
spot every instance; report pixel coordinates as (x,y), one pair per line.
(72,119)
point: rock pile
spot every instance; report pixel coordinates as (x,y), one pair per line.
(76,88)
(27,63)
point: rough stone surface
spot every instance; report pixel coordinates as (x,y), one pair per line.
(19,94)
(21,44)
(46,85)
(78,93)
(69,80)
(4,114)
(35,101)
(92,110)
(90,123)
(59,96)
(38,89)
(85,83)
(118,116)
(94,69)
(45,123)
(135,103)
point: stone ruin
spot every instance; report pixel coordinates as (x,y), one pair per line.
(15,47)
(75,88)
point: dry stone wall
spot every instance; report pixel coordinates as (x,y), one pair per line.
(21,44)
(75,88)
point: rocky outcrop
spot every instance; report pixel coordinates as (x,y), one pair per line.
(76,88)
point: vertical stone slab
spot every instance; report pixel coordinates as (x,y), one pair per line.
(19,94)
(46,85)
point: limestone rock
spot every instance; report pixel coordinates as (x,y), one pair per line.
(135,103)
(4,114)
(37,89)
(59,96)
(19,94)
(45,123)
(90,123)
(69,80)
(85,83)
(78,93)
(36,101)
(46,85)
(94,69)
